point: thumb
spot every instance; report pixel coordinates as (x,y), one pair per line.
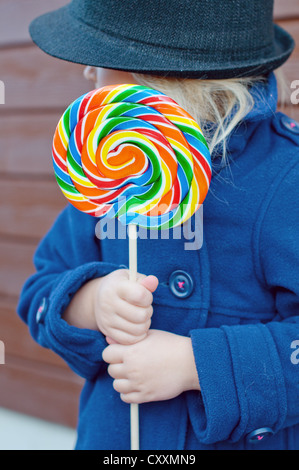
(150,282)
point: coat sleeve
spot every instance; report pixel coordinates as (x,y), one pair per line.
(66,258)
(249,373)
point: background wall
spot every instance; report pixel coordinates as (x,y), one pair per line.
(38,89)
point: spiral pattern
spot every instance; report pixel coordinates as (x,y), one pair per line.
(131,152)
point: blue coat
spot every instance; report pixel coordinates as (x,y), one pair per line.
(242,315)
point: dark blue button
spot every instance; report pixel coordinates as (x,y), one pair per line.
(290,124)
(42,310)
(259,435)
(181,284)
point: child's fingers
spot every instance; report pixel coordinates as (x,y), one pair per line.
(133,329)
(116,371)
(113,354)
(124,338)
(132,397)
(123,386)
(110,340)
(133,313)
(150,282)
(135,294)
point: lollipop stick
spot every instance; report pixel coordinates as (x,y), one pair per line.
(132,252)
(134,410)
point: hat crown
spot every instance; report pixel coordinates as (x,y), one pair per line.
(195,25)
(180,38)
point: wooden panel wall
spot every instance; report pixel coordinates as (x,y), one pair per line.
(38,89)
(287,16)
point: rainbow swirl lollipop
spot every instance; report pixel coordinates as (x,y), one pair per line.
(131,152)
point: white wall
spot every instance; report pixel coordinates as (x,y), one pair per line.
(22,432)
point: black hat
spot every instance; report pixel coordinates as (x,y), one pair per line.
(181,38)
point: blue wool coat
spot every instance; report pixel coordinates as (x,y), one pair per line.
(242,316)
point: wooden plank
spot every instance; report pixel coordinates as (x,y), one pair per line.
(29,207)
(291,67)
(284,9)
(292,26)
(47,392)
(34,79)
(290,70)
(291,111)
(26,142)
(16,15)
(16,266)
(17,339)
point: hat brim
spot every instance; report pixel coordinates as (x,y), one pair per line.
(61,35)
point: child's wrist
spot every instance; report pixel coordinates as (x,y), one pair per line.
(81,310)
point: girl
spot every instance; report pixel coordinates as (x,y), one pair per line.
(205,341)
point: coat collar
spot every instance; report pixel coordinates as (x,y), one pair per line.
(265,97)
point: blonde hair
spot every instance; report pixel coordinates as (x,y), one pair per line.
(218,106)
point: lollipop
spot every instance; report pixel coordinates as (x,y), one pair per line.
(131,152)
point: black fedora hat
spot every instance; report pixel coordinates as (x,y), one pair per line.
(182,38)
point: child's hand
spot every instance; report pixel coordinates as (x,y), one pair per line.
(160,367)
(123,308)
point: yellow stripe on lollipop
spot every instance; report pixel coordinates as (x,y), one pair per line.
(82,180)
(63,134)
(104,113)
(114,93)
(194,196)
(182,120)
(183,150)
(74,197)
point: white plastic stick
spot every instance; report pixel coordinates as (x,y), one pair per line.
(132,252)
(134,410)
